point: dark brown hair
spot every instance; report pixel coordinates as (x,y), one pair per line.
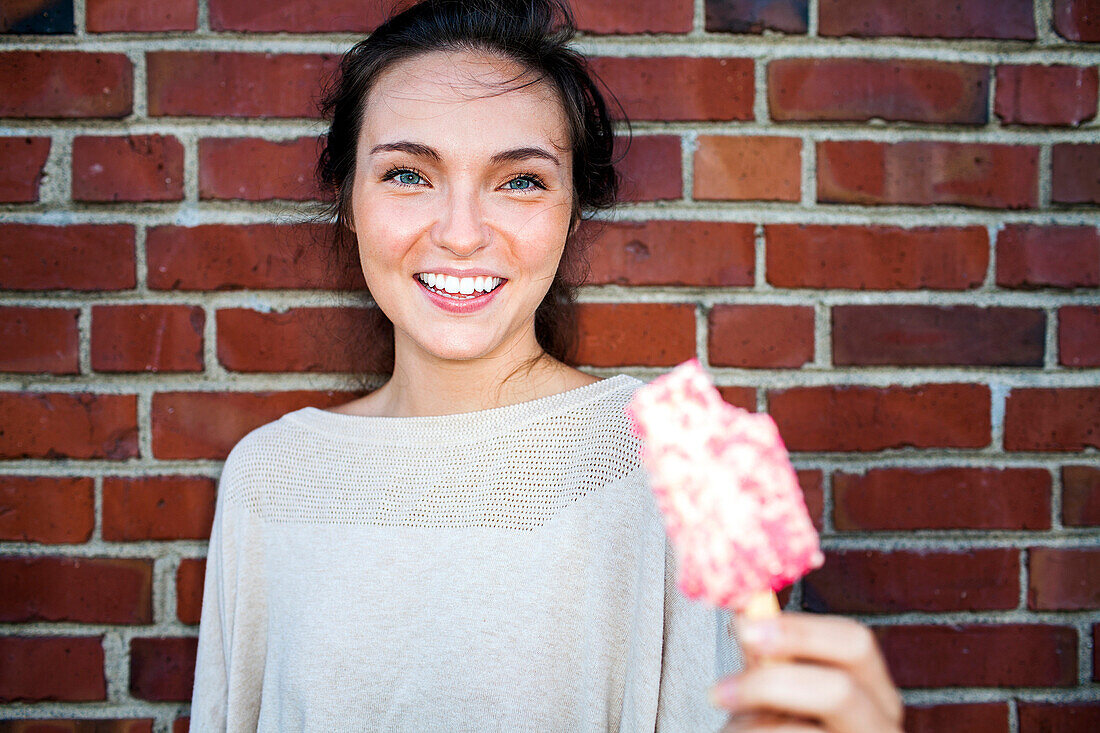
(532,33)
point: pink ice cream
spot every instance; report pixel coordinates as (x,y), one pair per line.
(726,487)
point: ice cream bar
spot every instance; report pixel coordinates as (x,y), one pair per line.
(727,490)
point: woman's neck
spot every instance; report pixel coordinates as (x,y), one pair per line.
(421,385)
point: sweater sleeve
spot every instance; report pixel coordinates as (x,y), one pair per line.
(697,650)
(229,664)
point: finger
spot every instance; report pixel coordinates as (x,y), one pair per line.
(831,640)
(826,694)
(768,723)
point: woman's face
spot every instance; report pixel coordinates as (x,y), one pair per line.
(461,204)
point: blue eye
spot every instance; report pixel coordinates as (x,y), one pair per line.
(523,183)
(408,178)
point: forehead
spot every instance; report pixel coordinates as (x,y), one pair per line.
(474,101)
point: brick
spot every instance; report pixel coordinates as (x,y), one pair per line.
(163,670)
(748,168)
(1060,717)
(157,508)
(757,16)
(209,424)
(864,89)
(181,725)
(1008,655)
(90,590)
(857,418)
(1077,20)
(706,254)
(650,168)
(1035,256)
(40,668)
(760,336)
(40,340)
(925,335)
(24,165)
(54,725)
(65,84)
(190,577)
(295,16)
(987,717)
(1052,419)
(138,16)
(743,397)
(253,169)
(678,88)
(46,509)
(76,257)
(68,425)
(1063,717)
(147,338)
(813,493)
(1081,496)
(220,84)
(636,334)
(1063,578)
(1079,336)
(255,256)
(942,498)
(634,16)
(133,168)
(1075,178)
(872,581)
(1009,19)
(925,173)
(303,340)
(876,257)
(1046,95)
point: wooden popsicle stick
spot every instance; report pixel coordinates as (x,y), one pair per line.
(762,605)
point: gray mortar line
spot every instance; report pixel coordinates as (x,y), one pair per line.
(760,212)
(808,169)
(84,336)
(145,424)
(760,260)
(828,503)
(141,106)
(80,20)
(1050,355)
(140,263)
(190,142)
(990,283)
(1022,562)
(699,18)
(1044,23)
(203,16)
(1056,492)
(702,341)
(96,537)
(813,29)
(761,113)
(689,143)
(1046,175)
(823,346)
(657,46)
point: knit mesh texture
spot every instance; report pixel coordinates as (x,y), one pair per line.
(510,468)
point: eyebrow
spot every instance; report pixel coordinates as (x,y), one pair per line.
(420,150)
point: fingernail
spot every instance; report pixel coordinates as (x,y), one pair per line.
(723,694)
(761,635)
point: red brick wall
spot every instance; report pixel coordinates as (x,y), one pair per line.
(875,219)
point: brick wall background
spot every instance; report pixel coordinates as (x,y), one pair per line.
(875,219)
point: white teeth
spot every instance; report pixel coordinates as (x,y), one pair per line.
(459,286)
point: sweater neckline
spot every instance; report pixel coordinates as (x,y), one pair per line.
(461,427)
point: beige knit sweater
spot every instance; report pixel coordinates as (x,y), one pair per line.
(504,570)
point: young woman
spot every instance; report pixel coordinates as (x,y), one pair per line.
(473,546)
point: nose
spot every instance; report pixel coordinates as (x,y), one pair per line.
(460,227)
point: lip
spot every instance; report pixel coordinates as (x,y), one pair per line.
(471,305)
(459,273)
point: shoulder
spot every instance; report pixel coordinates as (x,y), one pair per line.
(274,449)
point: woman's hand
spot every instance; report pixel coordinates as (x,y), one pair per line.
(810,673)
